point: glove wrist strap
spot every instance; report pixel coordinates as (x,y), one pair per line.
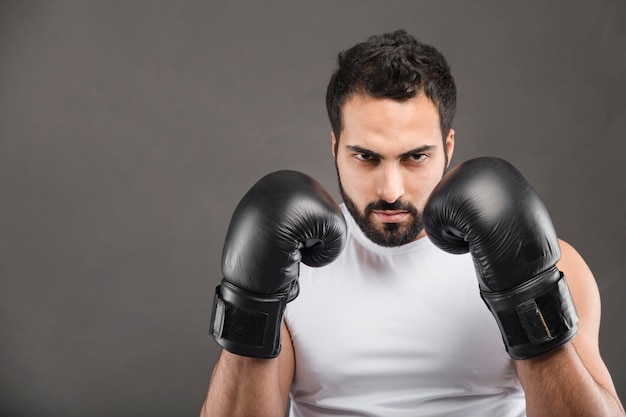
(247,324)
(535,317)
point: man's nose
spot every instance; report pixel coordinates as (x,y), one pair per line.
(391,183)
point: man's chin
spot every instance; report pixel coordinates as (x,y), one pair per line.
(391,234)
(397,233)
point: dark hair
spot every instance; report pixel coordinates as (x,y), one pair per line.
(392,65)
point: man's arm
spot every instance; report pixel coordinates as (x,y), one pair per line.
(285,218)
(242,386)
(548,314)
(572,380)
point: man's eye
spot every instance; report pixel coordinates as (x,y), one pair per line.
(364,157)
(418,157)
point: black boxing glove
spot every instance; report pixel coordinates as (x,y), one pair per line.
(485,206)
(285,218)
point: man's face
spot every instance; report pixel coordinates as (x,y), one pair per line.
(389,158)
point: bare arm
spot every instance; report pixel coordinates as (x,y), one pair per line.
(242,386)
(572,380)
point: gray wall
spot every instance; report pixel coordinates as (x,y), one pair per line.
(130,129)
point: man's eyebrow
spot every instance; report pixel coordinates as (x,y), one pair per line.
(420,149)
(364,151)
(358,149)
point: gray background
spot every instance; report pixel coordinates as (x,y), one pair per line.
(130,129)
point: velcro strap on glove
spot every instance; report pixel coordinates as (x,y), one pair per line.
(247,324)
(535,317)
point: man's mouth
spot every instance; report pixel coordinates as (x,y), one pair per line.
(391,216)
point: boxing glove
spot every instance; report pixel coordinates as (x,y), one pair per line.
(285,218)
(485,206)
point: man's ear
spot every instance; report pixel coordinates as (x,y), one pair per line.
(333,143)
(450,146)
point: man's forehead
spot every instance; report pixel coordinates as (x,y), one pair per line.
(388,116)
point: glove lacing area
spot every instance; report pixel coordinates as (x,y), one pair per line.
(249,324)
(535,317)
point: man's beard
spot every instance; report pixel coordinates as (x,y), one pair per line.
(390,234)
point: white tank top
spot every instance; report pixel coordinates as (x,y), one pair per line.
(397,332)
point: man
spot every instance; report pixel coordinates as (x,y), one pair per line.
(392,325)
